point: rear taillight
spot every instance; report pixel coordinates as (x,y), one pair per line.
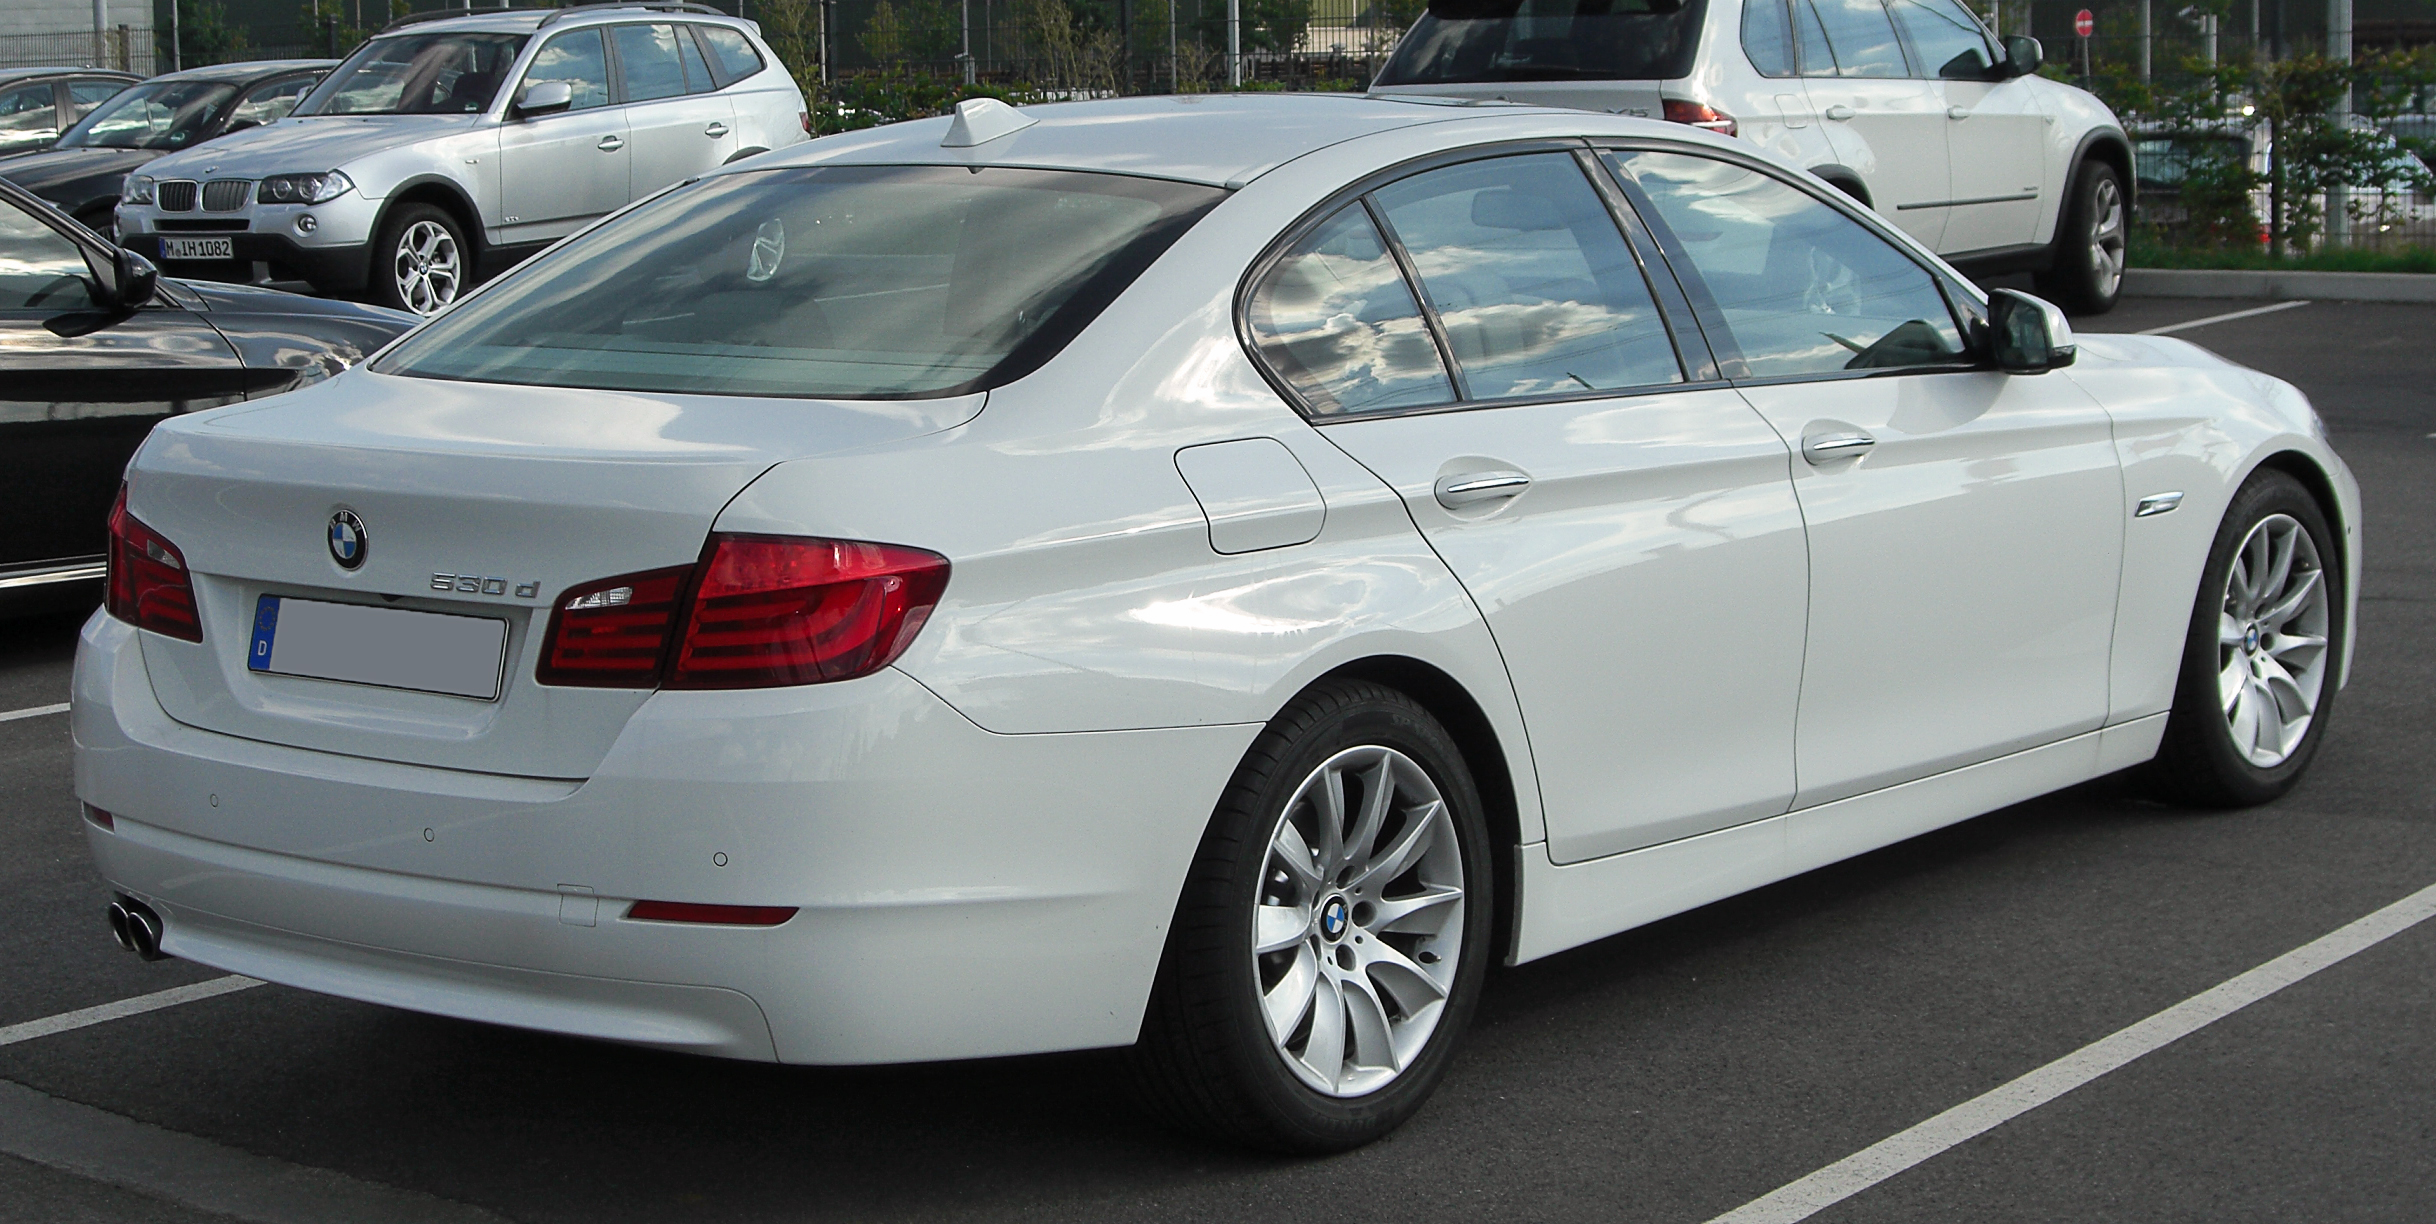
(148,586)
(1700,115)
(757,612)
(613,633)
(805,118)
(775,610)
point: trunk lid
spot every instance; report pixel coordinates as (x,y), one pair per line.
(526,490)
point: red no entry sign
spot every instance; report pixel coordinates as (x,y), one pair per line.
(2084,23)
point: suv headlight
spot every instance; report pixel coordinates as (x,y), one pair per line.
(302,188)
(136,190)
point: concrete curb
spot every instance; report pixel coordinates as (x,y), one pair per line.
(2279,286)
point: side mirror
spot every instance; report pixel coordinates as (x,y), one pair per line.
(2029,335)
(2023,55)
(124,281)
(544,98)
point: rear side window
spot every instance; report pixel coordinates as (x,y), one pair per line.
(1767,37)
(1548,40)
(1335,319)
(731,54)
(29,117)
(833,282)
(1861,38)
(647,61)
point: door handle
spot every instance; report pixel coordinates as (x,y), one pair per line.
(1821,448)
(611,144)
(1472,488)
(715,130)
(1838,112)
(1956,112)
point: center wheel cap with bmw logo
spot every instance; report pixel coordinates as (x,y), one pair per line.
(348,540)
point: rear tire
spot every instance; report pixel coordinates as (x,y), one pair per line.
(2266,638)
(1359,960)
(2090,243)
(421,262)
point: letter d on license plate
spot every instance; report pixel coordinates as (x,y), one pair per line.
(428,652)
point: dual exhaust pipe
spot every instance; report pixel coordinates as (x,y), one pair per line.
(136,927)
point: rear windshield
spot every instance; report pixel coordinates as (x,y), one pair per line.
(417,74)
(1548,40)
(830,282)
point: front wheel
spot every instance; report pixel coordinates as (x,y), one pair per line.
(1331,939)
(2091,241)
(2259,663)
(420,261)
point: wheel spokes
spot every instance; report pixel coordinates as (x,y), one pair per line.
(1388,913)
(1278,927)
(2290,604)
(1286,1003)
(1324,1053)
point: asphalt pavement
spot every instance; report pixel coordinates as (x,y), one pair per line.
(1668,1074)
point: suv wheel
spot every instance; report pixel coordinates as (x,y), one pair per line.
(2090,243)
(102,221)
(420,262)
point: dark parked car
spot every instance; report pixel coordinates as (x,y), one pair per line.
(83,170)
(95,347)
(35,103)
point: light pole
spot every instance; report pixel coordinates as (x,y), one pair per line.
(1234,42)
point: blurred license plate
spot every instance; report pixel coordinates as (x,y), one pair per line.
(428,652)
(198,248)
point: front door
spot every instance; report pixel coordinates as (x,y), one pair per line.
(679,128)
(1629,534)
(1885,125)
(1965,525)
(1996,132)
(559,172)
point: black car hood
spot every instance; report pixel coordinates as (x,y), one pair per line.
(53,169)
(314,337)
(221,298)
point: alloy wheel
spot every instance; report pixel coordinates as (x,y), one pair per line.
(2107,237)
(427,267)
(2272,640)
(1358,925)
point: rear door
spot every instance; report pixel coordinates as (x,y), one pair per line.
(1995,130)
(1625,525)
(679,127)
(1882,122)
(559,172)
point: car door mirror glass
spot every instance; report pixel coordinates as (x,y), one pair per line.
(545,98)
(2029,335)
(2023,55)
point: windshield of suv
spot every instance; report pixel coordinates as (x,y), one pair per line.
(417,74)
(154,115)
(832,282)
(1548,40)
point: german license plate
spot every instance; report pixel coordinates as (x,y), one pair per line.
(426,652)
(198,248)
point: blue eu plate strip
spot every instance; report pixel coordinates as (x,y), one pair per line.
(266,627)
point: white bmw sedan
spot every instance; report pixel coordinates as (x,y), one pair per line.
(1203,574)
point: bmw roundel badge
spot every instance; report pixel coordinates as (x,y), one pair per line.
(348,541)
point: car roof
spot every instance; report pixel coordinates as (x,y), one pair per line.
(248,70)
(527,20)
(9,75)
(1218,139)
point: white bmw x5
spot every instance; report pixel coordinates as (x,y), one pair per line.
(1203,574)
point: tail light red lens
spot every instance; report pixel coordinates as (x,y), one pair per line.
(775,610)
(614,633)
(713,915)
(1700,115)
(148,586)
(757,612)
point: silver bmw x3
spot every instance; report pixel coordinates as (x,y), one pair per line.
(444,150)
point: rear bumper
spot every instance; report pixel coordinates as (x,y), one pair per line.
(961,894)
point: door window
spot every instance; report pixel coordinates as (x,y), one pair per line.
(269,103)
(29,116)
(1860,37)
(1804,288)
(698,78)
(1947,40)
(39,268)
(647,61)
(577,58)
(732,54)
(1767,37)
(1810,34)
(1531,278)
(1335,319)
(85,95)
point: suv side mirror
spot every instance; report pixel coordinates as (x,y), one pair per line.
(544,98)
(2028,335)
(2023,55)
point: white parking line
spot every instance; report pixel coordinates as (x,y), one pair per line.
(1798,1200)
(89,1016)
(2254,312)
(34,712)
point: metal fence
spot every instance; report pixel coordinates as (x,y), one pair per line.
(122,47)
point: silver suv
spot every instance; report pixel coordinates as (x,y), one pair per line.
(445,150)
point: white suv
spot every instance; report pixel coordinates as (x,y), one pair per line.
(1910,106)
(445,150)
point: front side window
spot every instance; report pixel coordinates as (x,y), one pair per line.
(39,268)
(1767,37)
(1804,288)
(154,115)
(1948,41)
(1860,37)
(1548,40)
(83,96)
(1530,278)
(838,282)
(417,74)
(269,103)
(578,59)
(1336,320)
(29,117)
(647,61)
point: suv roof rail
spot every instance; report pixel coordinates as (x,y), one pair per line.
(446,13)
(657,6)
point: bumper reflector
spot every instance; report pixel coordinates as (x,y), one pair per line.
(100,817)
(714,915)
